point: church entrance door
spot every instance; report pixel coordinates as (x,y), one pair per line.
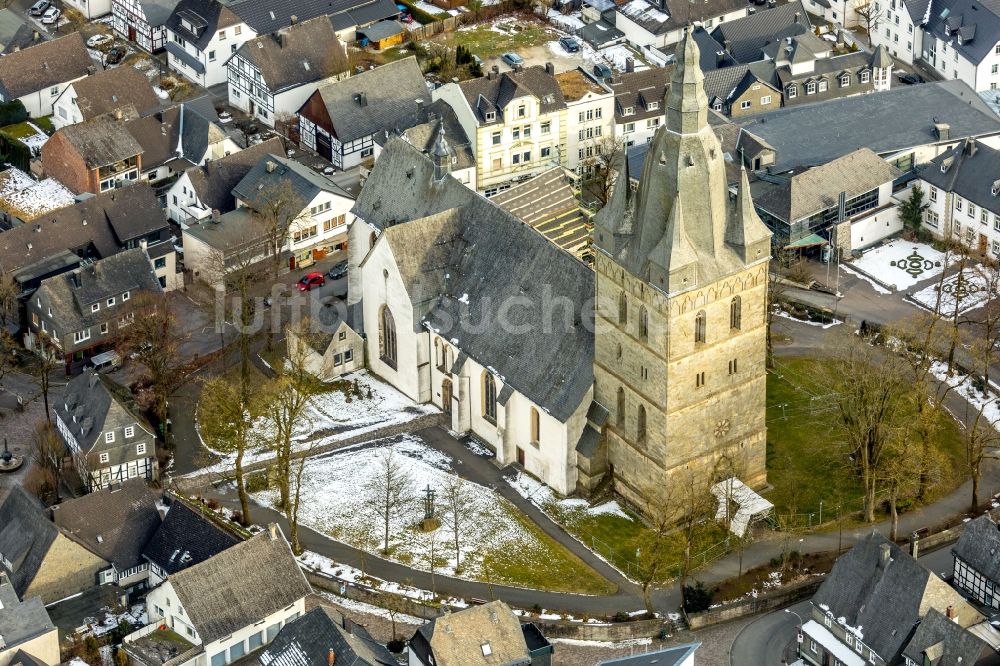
(446,396)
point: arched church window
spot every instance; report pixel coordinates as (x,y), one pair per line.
(489,397)
(735,312)
(700,323)
(622,308)
(387,337)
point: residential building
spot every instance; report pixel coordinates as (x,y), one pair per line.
(16,34)
(38,75)
(343,118)
(330,347)
(323,634)
(179,137)
(104,93)
(227,606)
(94,156)
(24,199)
(200,190)
(109,440)
(184,539)
(443,125)
(91,229)
(898,26)
(115,523)
(925,120)
(867,607)
(962,193)
(317,211)
(487,634)
(743,90)
(403,269)
(80,314)
(660,23)
(940,641)
(142,22)
(802,209)
(639,100)
(744,40)
(516,121)
(977,571)
(805,76)
(682,655)
(961,40)
(590,121)
(271,76)
(38,559)
(680,257)
(27,631)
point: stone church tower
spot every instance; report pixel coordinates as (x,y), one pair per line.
(681,290)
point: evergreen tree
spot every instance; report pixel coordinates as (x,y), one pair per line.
(911,212)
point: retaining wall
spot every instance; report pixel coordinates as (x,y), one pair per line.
(762,604)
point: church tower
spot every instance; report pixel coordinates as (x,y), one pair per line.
(681,291)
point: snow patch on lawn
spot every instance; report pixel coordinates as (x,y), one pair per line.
(136,616)
(968,289)
(29,198)
(785,315)
(962,384)
(632,642)
(566,22)
(368,609)
(542,496)
(36,140)
(616,56)
(901,263)
(879,289)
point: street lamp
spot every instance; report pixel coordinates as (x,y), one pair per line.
(798,636)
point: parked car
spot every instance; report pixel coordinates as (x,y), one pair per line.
(512,59)
(338,271)
(51,15)
(98,40)
(114,55)
(311,280)
(602,71)
(570,44)
(910,79)
(39,7)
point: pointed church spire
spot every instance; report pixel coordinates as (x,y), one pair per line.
(674,262)
(614,222)
(687,103)
(441,154)
(745,233)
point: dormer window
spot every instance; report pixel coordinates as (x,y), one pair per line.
(105,457)
(629,110)
(865,76)
(521,111)
(653,106)
(995,190)
(111,301)
(811,88)
(125,296)
(845,81)
(109,437)
(822,86)
(793,92)
(94,307)
(129,432)
(490,116)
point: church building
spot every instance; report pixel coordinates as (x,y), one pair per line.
(465,306)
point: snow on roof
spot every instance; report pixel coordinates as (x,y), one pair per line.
(642,10)
(750,504)
(825,637)
(23,196)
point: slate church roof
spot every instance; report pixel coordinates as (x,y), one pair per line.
(458,247)
(185,538)
(308,641)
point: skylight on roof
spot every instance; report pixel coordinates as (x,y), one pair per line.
(945,12)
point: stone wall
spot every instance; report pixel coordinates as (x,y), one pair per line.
(762,604)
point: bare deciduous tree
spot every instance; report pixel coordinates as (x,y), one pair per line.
(458,513)
(609,153)
(48,451)
(871,13)
(389,490)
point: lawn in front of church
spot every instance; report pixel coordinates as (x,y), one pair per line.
(804,467)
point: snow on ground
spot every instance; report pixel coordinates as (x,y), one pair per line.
(785,315)
(136,616)
(336,502)
(567,22)
(962,384)
(901,263)
(368,609)
(161,93)
(428,7)
(329,418)
(542,496)
(632,642)
(29,198)
(36,140)
(968,289)
(879,289)
(616,55)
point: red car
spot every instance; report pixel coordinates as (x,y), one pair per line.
(311,280)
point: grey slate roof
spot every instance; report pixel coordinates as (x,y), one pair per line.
(632,88)
(99,405)
(886,122)
(456,242)
(270,175)
(44,65)
(186,127)
(351,15)
(101,141)
(214,181)
(107,221)
(746,37)
(308,640)
(240,586)
(425,135)
(15,33)
(70,295)
(157,11)
(232,230)
(729,83)
(296,55)
(26,534)
(713,54)
(185,538)
(499,91)
(112,89)
(674,656)
(20,621)
(953,645)
(681,12)
(979,546)
(817,189)
(212,15)
(114,523)
(390,92)
(917,9)
(266,16)
(976,21)
(970,176)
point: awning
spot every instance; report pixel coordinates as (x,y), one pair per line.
(749,504)
(177,51)
(811,240)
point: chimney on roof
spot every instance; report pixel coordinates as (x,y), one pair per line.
(942,130)
(797,17)
(281,38)
(331,657)
(270,166)
(272,531)
(970,147)
(420,108)
(293,19)
(885,553)
(951,613)
(91,70)
(630,64)
(361,99)
(118,114)
(550,69)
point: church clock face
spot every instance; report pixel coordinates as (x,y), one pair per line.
(722,428)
